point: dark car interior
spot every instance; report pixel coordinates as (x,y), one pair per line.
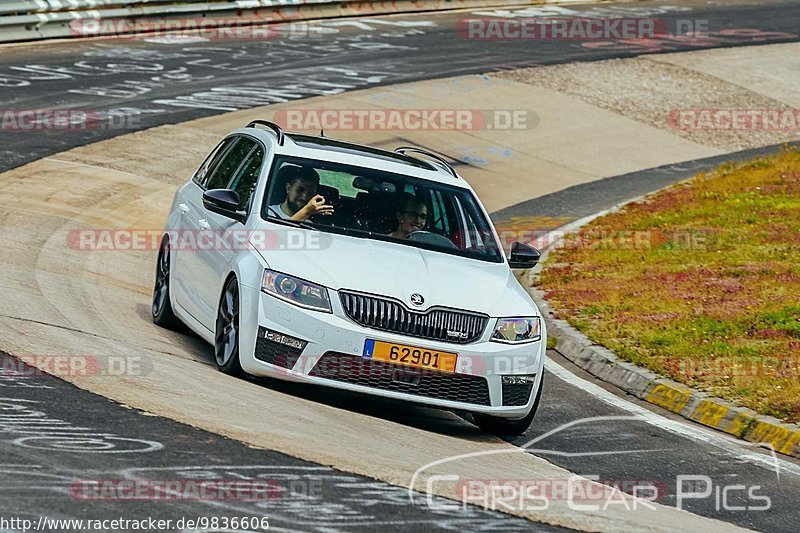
(369,202)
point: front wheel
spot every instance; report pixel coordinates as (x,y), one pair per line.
(162,307)
(226,337)
(504,426)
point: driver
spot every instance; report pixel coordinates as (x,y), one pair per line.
(302,200)
(411,216)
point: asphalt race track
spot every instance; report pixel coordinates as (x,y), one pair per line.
(48,475)
(157,82)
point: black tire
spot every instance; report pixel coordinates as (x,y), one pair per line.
(504,426)
(162,307)
(226,336)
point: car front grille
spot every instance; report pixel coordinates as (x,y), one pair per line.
(517,393)
(357,370)
(441,324)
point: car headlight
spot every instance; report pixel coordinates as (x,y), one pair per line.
(518,330)
(296,291)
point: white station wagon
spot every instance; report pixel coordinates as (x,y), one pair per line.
(321,261)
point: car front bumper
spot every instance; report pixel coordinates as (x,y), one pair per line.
(278,339)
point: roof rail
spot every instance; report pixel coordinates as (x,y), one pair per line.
(271,125)
(440,159)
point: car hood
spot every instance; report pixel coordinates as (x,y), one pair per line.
(396,270)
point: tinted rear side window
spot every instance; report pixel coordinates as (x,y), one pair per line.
(244,182)
(223,173)
(203,173)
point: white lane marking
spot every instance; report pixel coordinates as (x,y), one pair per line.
(175,39)
(730,445)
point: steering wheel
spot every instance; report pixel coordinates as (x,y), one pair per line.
(429,237)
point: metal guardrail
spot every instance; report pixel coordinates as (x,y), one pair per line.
(41,19)
(25,20)
(54,6)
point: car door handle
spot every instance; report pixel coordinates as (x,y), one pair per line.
(203,224)
(183,208)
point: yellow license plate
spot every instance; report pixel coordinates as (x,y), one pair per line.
(402,354)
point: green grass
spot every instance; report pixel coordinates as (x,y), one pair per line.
(552,341)
(700,282)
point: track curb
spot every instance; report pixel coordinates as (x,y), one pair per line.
(716,413)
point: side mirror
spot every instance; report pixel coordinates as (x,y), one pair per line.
(224,202)
(523,256)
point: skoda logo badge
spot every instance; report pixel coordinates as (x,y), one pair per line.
(417,299)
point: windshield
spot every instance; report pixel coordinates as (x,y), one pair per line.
(379,205)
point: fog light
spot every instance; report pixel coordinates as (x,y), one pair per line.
(286,340)
(517,380)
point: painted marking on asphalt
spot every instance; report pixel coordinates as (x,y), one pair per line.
(30,427)
(10,377)
(730,445)
(304,505)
